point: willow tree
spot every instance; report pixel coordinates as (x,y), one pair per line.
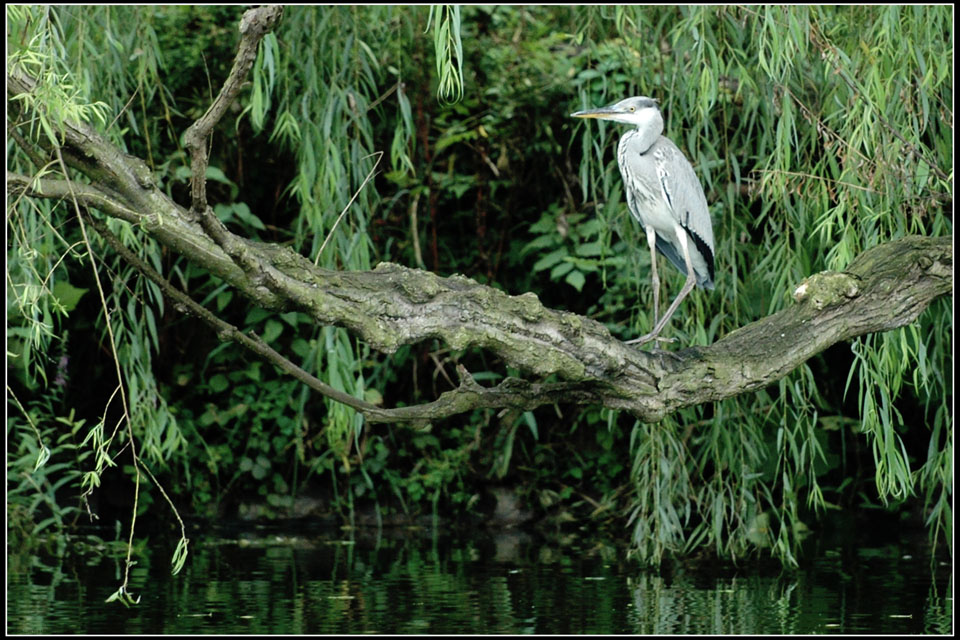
(822,137)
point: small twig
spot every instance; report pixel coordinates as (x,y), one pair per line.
(439,367)
(124,109)
(797,174)
(483,156)
(379,155)
(396,85)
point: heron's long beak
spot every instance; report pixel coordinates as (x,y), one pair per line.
(601,114)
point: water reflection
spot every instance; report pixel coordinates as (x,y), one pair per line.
(405,582)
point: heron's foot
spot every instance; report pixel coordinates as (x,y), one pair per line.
(648,338)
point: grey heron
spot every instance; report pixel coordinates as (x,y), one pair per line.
(665,197)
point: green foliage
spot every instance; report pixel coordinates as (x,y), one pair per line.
(43,462)
(817,132)
(570,247)
(449,50)
(57,99)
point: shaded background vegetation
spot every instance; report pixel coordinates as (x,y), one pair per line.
(816,132)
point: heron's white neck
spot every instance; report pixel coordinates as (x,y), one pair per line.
(648,129)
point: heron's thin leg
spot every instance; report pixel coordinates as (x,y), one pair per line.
(687,288)
(655,282)
(655,278)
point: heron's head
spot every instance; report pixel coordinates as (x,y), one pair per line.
(640,111)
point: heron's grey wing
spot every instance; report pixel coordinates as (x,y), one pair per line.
(663,174)
(647,199)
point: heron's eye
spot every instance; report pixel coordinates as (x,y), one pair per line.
(632,109)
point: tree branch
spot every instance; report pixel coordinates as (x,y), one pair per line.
(887,286)
(255,24)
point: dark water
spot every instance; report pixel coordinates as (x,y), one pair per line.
(407,581)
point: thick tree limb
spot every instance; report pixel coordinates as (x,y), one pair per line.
(887,286)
